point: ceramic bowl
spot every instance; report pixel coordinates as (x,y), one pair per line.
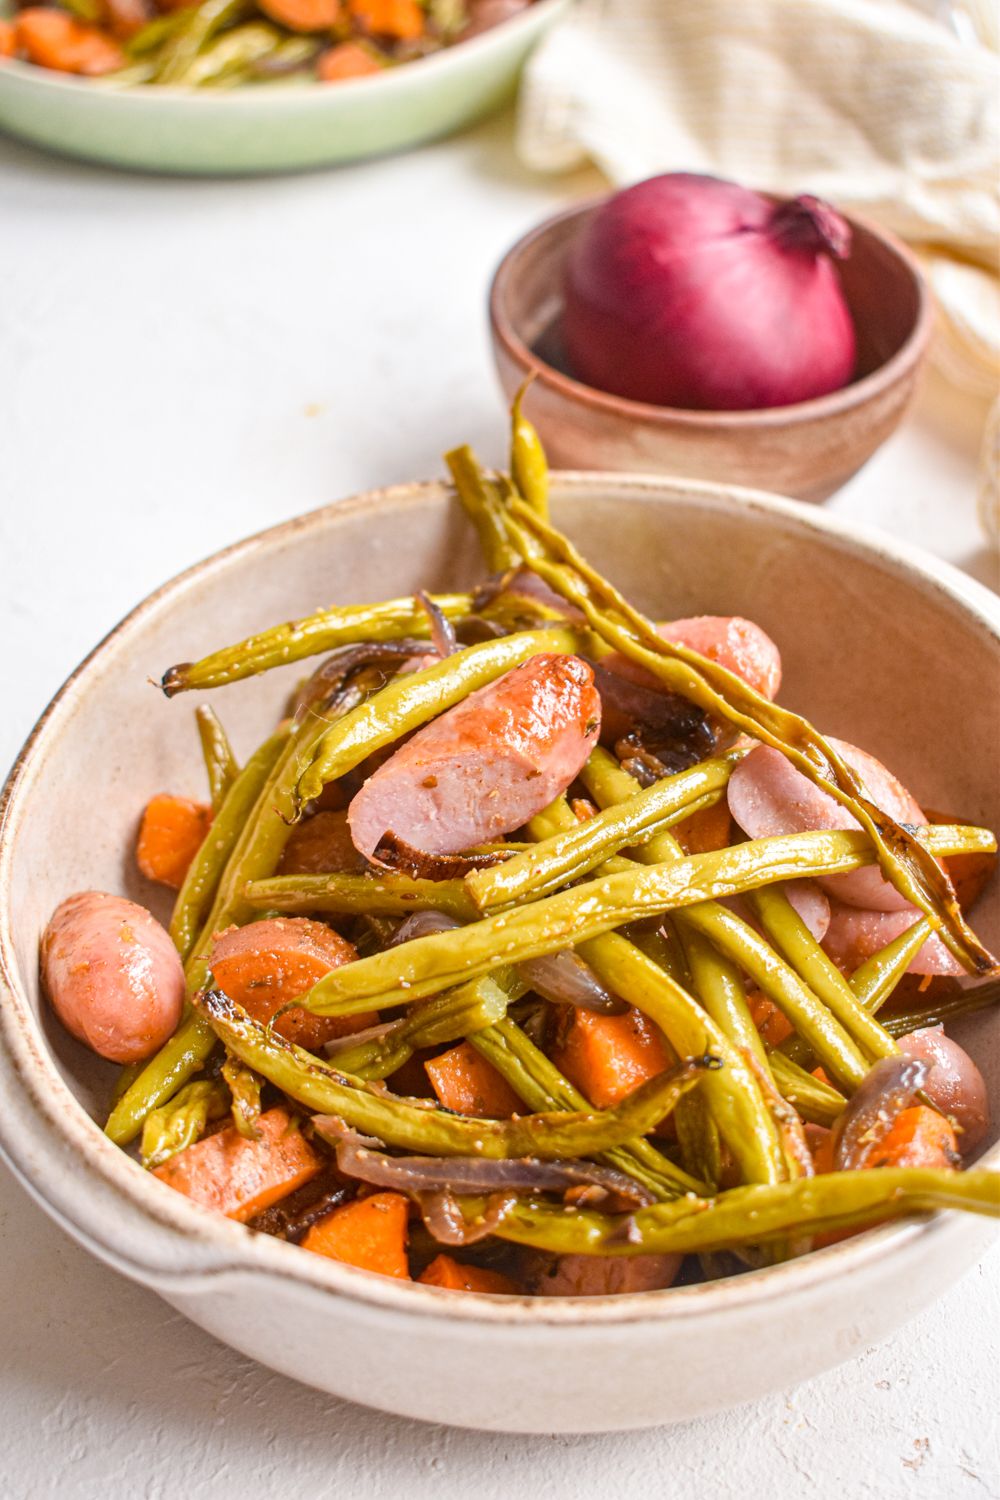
(273,129)
(876,642)
(807,450)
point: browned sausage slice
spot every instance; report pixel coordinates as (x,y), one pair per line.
(487,765)
(112,974)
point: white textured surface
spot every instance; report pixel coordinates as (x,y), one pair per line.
(181,363)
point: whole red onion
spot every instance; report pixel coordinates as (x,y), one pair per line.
(693,292)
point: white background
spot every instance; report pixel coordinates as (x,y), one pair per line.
(180,364)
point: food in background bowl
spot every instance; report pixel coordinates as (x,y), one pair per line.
(557,1003)
(226,43)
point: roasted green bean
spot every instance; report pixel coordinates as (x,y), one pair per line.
(383,895)
(529,468)
(792,938)
(413,1125)
(814,1100)
(566,856)
(748,1215)
(451,1017)
(180,1123)
(428,964)
(220,762)
(314,635)
(474,492)
(874,980)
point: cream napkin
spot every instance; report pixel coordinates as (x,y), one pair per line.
(888,106)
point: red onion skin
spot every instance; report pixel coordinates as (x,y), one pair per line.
(687,291)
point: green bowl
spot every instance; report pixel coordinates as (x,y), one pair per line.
(270,128)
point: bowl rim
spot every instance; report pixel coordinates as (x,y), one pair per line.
(43,1121)
(645,414)
(223,101)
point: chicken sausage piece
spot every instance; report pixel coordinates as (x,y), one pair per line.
(487,765)
(768,796)
(113,976)
(954,1084)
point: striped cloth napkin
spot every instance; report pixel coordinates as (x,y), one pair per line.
(891,107)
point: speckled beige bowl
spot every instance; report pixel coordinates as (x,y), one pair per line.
(897,653)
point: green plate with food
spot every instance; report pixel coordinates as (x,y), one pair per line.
(233,86)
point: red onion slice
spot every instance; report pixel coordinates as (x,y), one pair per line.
(443,637)
(443,1216)
(566,979)
(473,1174)
(885,1091)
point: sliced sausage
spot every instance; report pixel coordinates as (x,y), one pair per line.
(487,765)
(730,640)
(266,964)
(955,1084)
(854,935)
(606,1275)
(112,974)
(768,796)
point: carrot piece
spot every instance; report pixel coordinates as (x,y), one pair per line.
(609,1056)
(918,1137)
(303,15)
(240,1177)
(266,964)
(53,39)
(348,60)
(403,20)
(707,830)
(370,1233)
(772,1024)
(446,1272)
(469,1085)
(170,835)
(7,42)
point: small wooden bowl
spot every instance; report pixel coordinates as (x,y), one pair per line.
(807,450)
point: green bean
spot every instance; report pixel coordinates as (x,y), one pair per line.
(314,635)
(834,1047)
(451,1017)
(150,38)
(386,895)
(903,858)
(180,1123)
(412,1124)
(733,1095)
(220,762)
(792,938)
(228,58)
(747,1215)
(567,855)
(479,499)
(411,701)
(536,1079)
(698,1138)
(428,964)
(260,840)
(814,1100)
(874,981)
(201,23)
(196,895)
(529,467)
(940,1012)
